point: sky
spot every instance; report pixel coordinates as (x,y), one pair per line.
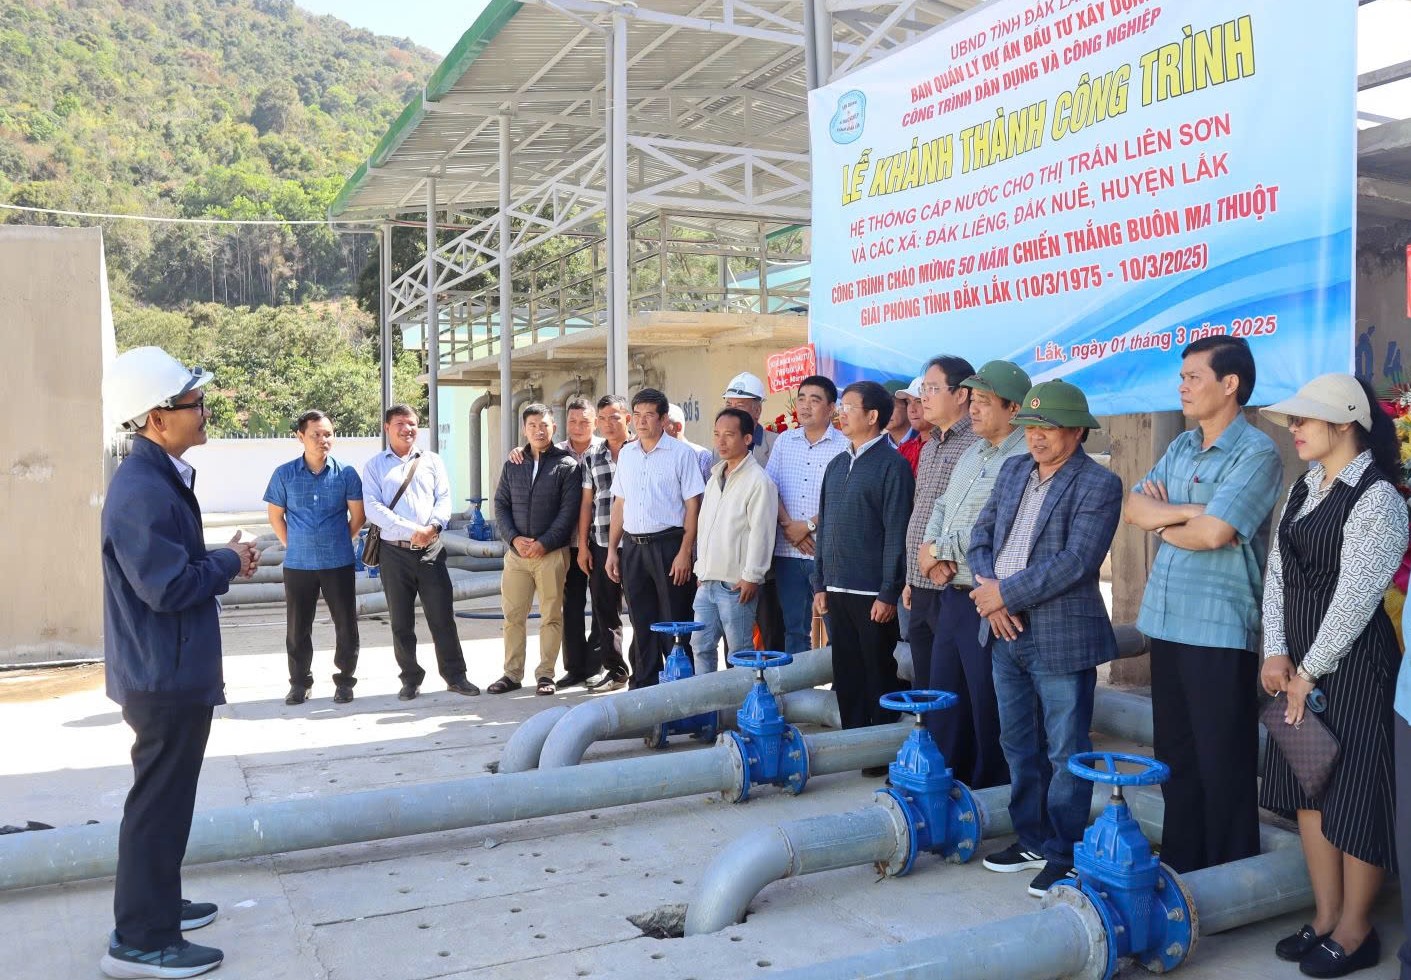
(433,24)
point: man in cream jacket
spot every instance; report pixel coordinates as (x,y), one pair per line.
(735,542)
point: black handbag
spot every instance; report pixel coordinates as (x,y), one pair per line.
(372,546)
(1311,750)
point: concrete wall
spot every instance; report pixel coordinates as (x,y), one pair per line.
(57,331)
(1383,329)
(232,474)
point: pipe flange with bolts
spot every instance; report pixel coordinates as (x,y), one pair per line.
(772,751)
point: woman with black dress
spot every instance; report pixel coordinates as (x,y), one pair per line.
(1339,541)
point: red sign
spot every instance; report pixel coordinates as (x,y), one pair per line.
(787,368)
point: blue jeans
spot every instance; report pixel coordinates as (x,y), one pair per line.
(718,605)
(1043,719)
(791,578)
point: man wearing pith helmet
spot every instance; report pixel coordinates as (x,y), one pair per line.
(1035,553)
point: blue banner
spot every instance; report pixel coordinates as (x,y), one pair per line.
(1084,187)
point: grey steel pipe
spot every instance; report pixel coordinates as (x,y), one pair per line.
(558,401)
(809,706)
(464,585)
(641,709)
(475,442)
(90,851)
(1037,946)
(461,544)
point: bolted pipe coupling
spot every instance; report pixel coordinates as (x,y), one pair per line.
(771,750)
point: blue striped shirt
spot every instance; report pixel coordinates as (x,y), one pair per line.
(1212,598)
(796,466)
(315,511)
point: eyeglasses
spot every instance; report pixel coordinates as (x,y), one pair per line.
(199,404)
(931,389)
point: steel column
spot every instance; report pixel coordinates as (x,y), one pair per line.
(617,206)
(507,420)
(433,327)
(384,304)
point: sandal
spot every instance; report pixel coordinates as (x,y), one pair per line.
(503,686)
(546,686)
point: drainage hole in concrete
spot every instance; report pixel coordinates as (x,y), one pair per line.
(333,780)
(550,871)
(677,881)
(540,935)
(592,816)
(396,774)
(536,854)
(624,858)
(391,874)
(444,952)
(482,878)
(424,925)
(662,922)
(492,767)
(404,890)
(584,973)
(736,939)
(658,956)
(607,843)
(602,894)
(464,864)
(516,910)
(763,963)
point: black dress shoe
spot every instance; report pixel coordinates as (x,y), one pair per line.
(1329,959)
(463,686)
(298,694)
(342,694)
(1294,948)
(408,692)
(569,680)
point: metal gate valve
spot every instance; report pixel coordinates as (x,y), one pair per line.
(771,750)
(478,529)
(679,667)
(940,812)
(1145,909)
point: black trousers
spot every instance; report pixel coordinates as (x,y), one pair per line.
(581,654)
(954,660)
(607,615)
(301,591)
(864,660)
(405,576)
(167,750)
(653,598)
(769,616)
(1204,708)
(1401,741)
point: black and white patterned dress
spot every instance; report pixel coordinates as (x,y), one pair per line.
(1335,554)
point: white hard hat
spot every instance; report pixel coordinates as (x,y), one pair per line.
(675,414)
(744,385)
(145,378)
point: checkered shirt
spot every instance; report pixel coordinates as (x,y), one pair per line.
(938,458)
(1014,554)
(598,472)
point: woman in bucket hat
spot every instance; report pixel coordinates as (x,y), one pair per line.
(1339,541)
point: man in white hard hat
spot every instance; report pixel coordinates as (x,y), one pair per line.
(746,391)
(162,647)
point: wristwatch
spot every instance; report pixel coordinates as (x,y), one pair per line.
(809,523)
(1307,675)
(1160,532)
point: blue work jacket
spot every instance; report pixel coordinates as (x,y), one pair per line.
(161,625)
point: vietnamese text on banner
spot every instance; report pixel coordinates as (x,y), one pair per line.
(1086,186)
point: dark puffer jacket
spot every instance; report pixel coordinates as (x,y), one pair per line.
(545,507)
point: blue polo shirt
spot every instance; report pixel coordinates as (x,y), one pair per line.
(1212,598)
(316,510)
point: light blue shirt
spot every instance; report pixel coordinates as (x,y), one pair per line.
(1403,679)
(428,496)
(315,511)
(1212,598)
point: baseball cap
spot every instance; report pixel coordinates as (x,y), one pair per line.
(1004,378)
(1332,398)
(744,385)
(1056,403)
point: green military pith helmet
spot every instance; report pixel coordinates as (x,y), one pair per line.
(1005,379)
(1056,403)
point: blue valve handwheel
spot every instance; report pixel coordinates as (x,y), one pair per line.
(677,629)
(918,702)
(1082,764)
(759,659)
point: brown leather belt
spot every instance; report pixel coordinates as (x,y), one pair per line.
(403,544)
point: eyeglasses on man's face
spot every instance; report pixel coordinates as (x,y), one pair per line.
(935,389)
(199,404)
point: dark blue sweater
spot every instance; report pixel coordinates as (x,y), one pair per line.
(863,510)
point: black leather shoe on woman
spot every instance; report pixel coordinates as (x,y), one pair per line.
(1294,948)
(1329,959)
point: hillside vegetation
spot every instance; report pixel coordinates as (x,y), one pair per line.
(212,108)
